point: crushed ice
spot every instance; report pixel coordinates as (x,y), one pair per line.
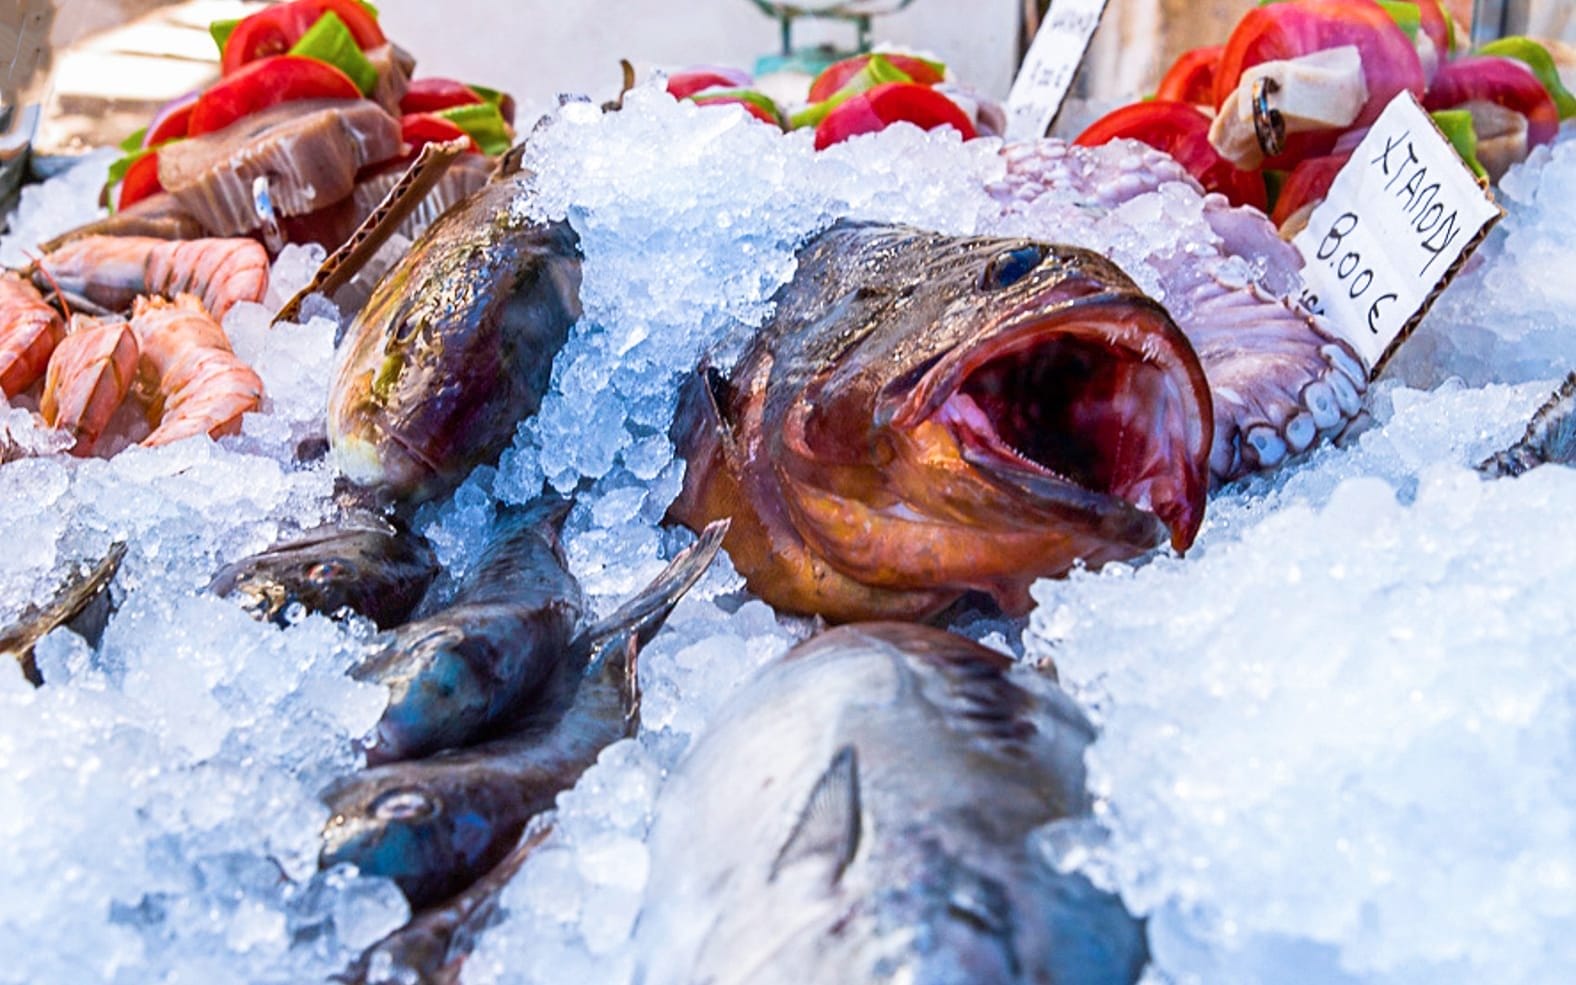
(1334,733)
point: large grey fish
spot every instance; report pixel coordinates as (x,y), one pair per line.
(455,346)
(435,825)
(365,563)
(460,671)
(1550,437)
(862,812)
(74,600)
(925,415)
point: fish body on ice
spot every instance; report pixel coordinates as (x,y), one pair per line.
(460,671)
(364,563)
(455,347)
(436,825)
(926,415)
(863,811)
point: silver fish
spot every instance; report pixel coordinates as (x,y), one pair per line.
(862,812)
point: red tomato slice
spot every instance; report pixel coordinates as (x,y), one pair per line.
(1182,131)
(273,31)
(1308,182)
(684,84)
(837,74)
(892,102)
(172,121)
(1291,30)
(431,95)
(421,129)
(264,83)
(142,180)
(1191,78)
(1502,81)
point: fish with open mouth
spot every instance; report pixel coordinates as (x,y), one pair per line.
(925,415)
(368,564)
(436,825)
(866,810)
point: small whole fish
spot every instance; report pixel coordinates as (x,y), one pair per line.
(1550,437)
(365,563)
(926,415)
(863,811)
(436,825)
(455,346)
(75,597)
(462,670)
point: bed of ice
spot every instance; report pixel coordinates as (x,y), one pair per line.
(1338,736)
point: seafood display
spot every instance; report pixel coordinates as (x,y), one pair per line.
(437,825)
(863,810)
(927,415)
(487,294)
(766,527)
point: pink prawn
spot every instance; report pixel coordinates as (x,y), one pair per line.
(29,332)
(89,375)
(196,382)
(114,270)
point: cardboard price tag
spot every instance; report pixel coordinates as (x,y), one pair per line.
(1048,69)
(1400,219)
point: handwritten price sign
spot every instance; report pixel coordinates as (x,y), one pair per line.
(1399,221)
(1048,69)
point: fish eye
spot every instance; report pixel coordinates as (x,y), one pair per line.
(403,804)
(328,572)
(1007,268)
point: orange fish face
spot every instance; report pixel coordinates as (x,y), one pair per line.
(929,415)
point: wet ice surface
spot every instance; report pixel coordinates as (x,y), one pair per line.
(158,797)
(1336,733)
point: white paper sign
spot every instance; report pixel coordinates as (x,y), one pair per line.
(1399,219)
(1048,69)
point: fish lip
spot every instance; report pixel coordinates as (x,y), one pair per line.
(1032,325)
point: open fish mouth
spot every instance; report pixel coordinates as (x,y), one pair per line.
(1106,418)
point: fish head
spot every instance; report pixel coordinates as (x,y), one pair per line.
(367,564)
(1020,409)
(398,821)
(435,694)
(454,348)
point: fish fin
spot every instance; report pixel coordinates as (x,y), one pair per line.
(402,199)
(702,436)
(644,614)
(615,641)
(545,514)
(829,826)
(80,588)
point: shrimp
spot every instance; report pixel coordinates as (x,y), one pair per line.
(195,382)
(89,375)
(114,270)
(29,332)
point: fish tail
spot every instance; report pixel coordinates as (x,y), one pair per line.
(615,642)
